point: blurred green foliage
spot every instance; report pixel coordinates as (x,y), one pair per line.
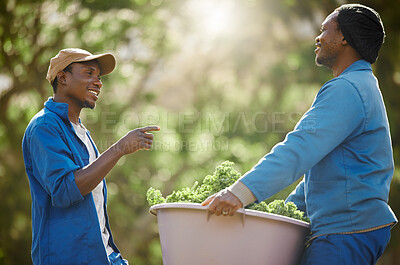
(225,80)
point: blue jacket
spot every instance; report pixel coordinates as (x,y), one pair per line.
(342,146)
(65,226)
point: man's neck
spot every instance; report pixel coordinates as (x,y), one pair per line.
(340,68)
(73,115)
(73,111)
(344,61)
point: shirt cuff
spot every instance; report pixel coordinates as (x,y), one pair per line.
(241,191)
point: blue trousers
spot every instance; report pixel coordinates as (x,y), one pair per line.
(347,249)
(116,259)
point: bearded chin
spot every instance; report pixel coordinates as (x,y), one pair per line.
(328,61)
(88,105)
(318,61)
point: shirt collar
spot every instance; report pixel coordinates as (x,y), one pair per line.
(356,66)
(61,109)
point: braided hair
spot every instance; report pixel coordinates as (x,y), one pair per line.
(362,28)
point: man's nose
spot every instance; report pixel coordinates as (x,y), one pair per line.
(317,39)
(98,82)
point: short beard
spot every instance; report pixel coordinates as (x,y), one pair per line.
(327,61)
(86,104)
(327,58)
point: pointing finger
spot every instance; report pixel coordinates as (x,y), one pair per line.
(150,128)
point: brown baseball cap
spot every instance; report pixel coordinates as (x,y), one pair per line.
(73,55)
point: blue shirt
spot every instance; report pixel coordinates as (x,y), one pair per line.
(342,146)
(65,226)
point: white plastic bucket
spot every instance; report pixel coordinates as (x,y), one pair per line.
(189,237)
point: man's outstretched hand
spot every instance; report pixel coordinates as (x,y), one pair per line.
(136,140)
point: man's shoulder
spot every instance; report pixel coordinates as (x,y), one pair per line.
(359,76)
(338,84)
(43,119)
(361,81)
(340,80)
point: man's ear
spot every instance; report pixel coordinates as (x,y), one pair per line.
(344,42)
(62,77)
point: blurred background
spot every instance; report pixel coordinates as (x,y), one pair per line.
(225,80)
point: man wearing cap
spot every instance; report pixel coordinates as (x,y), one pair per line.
(342,147)
(65,171)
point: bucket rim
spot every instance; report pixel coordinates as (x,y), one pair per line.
(197,206)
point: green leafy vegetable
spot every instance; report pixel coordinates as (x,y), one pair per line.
(224,176)
(154,196)
(280,207)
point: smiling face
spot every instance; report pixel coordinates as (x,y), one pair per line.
(329,42)
(81,87)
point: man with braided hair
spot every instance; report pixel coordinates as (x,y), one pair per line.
(341,145)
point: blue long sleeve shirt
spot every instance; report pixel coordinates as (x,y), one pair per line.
(65,226)
(342,146)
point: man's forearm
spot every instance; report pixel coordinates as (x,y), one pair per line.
(90,176)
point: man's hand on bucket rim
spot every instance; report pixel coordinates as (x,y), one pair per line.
(223,202)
